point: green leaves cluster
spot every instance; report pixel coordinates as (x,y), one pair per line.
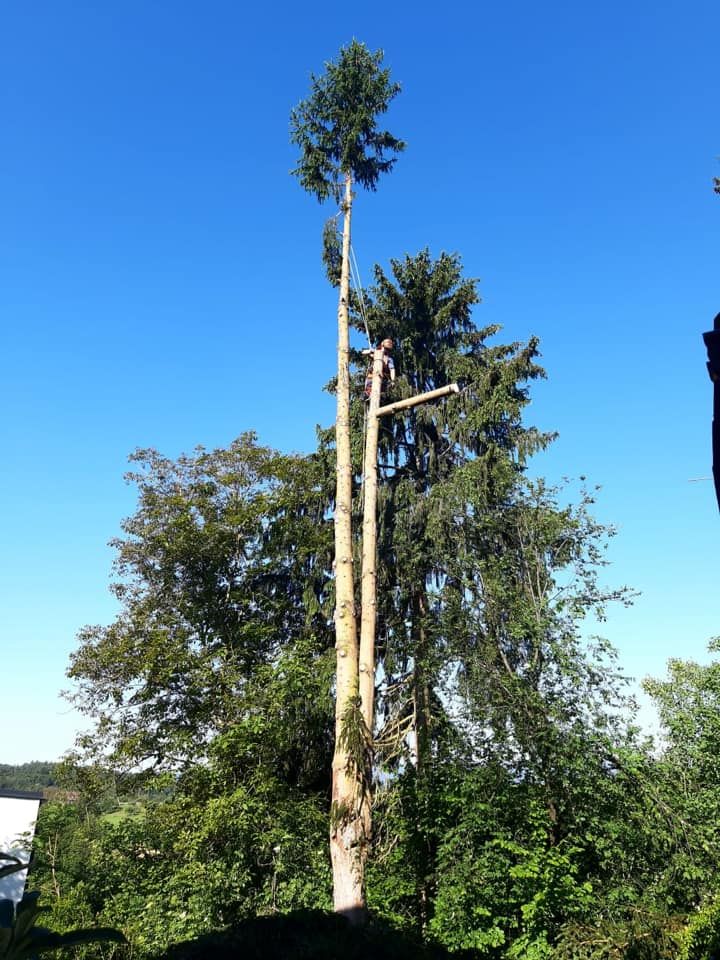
(225,564)
(22,938)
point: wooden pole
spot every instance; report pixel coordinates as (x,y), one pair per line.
(369,548)
(368,613)
(419,398)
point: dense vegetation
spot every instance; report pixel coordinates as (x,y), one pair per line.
(518,812)
(33,776)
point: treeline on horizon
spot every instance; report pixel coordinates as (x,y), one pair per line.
(31,776)
(517,810)
(68,782)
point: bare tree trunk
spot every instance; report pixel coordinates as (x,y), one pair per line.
(368,608)
(369,549)
(347,846)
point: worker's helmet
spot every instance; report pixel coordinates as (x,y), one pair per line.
(387,343)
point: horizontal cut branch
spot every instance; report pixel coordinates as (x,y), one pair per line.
(419,398)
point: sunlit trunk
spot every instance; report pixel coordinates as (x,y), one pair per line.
(347,840)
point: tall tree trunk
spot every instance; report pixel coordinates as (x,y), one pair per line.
(368,601)
(347,846)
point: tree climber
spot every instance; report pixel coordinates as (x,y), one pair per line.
(712,342)
(388,367)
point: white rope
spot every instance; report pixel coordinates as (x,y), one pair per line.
(362,477)
(357,283)
(358,286)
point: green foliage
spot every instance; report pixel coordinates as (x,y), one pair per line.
(243,833)
(21,938)
(517,812)
(701,940)
(688,703)
(332,251)
(356,739)
(642,936)
(688,776)
(484,582)
(500,887)
(226,560)
(511,797)
(189,865)
(442,465)
(336,127)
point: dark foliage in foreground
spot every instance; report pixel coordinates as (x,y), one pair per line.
(308,935)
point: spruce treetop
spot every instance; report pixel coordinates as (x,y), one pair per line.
(336,127)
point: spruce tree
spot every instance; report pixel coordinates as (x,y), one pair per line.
(341,145)
(441,465)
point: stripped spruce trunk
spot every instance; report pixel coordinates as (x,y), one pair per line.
(368,595)
(347,830)
(369,549)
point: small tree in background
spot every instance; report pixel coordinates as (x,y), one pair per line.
(340,144)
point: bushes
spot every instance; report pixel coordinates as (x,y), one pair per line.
(640,937)
(702,937)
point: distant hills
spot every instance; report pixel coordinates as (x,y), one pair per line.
(34,776)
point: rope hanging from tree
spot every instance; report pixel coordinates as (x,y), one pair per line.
(355,274)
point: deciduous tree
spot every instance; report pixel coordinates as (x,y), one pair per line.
(225,563)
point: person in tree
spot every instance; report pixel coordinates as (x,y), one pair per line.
(388,367)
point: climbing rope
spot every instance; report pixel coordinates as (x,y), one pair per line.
(355,278)
(355,274)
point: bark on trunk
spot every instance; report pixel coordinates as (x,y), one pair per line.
(347,846)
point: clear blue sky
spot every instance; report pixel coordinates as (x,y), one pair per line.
(160,281)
